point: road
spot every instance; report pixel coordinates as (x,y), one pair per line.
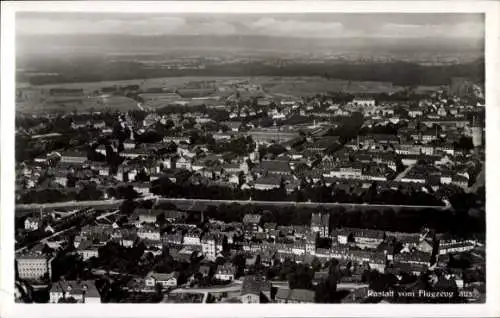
(403,174)
(300,204)
(116,203)
(102,216)
(45,239)
(68,204)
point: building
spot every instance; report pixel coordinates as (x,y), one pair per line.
(32,223)
(192,237)
(255,290)
(477,136)
(365,238)
(320,223)
(225,272)
(273,167)
(267,183)
(174,239)
(79,291)
(251,222)
(75,157)
(311,243)
(148,215)
(33,266)
(294,296)
(364,102)
(87,250)
(211,246)
(165,280)
(149,233)
(455,246)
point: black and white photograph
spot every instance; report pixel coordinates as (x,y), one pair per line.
(249,158)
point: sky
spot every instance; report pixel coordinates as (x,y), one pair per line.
(327,25)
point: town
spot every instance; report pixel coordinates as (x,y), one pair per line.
(219,191)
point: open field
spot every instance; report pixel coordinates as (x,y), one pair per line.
(36,98)
(314,85)
(42,105)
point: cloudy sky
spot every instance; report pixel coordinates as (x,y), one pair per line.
(328,25)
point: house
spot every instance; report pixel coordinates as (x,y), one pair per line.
(204,270)
(409,268)
(175,238)
(233,126)
(128,240)
(87,250)
(32,223)
(77,124)
(413,258)
(81,291)
(363,238)
(424,246)
(148,215)
(129,144)
(269,226)
(294,296)
(183,163)
(165,280)
(149,233)
(255,290)
(192,237)
(225,272)
(415,113)
(231,168)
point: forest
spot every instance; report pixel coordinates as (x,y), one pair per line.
(398,73)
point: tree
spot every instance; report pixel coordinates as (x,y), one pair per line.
(301,277)
(225,245)
(159,288)
(68,300)
(316,264)
(239,262)
(326,291)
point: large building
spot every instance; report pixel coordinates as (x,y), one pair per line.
(211,246)
(320,223)
(364,101)
(33,266)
